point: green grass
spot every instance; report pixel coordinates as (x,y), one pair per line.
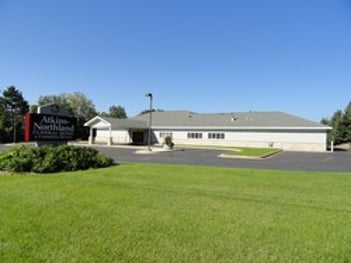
(159,213)
(254,152)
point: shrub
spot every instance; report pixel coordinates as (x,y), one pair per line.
(169,141)
(48,159)
(18,159)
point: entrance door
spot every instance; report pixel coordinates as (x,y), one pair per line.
(138,137)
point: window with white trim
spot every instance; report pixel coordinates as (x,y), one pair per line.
(216,135)
(194,135)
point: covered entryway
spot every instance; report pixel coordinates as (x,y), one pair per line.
(138,137)
(110,131)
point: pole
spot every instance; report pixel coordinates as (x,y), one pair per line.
(150,122)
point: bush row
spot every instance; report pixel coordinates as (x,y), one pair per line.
(49,159)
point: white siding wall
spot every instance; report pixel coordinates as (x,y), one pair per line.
(286,140)
(120,136)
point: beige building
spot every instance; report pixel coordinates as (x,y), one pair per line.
(250,129)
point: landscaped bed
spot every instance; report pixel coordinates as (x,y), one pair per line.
(162,213)
(230,151)
(254,152)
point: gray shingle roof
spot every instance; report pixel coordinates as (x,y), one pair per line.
(119,123)
(126,123)
(228,120)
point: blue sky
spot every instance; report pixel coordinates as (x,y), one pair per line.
(203,56)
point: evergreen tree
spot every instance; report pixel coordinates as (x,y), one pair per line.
(346,123)
(13,108)
(341,123)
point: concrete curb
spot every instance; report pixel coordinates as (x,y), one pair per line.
(157,150)
(223,155)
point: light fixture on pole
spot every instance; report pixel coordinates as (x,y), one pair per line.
(150,121)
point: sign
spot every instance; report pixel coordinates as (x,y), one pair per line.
(53,109)
(48,127)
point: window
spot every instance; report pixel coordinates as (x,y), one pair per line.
(194,135)
(216,135)
(166,134)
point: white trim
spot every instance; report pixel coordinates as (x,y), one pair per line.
(88,123)
(219,128)
(97,119)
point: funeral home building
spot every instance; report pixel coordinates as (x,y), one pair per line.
(249,129)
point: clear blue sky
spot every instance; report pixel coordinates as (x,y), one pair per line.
(199,55)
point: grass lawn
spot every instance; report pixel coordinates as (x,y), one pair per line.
(162,213)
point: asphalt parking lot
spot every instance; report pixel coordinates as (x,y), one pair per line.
(295,161)
(339,161)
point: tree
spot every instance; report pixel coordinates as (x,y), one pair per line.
(341,123)
(326,121)
(346,123)
(336,133)
(13,108)
(78,105)
(117,112)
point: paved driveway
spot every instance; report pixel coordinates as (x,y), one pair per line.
(299,161)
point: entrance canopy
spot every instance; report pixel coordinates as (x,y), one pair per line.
(110,124)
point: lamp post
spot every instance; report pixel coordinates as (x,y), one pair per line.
(150,121)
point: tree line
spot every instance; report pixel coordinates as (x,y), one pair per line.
(13,107)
